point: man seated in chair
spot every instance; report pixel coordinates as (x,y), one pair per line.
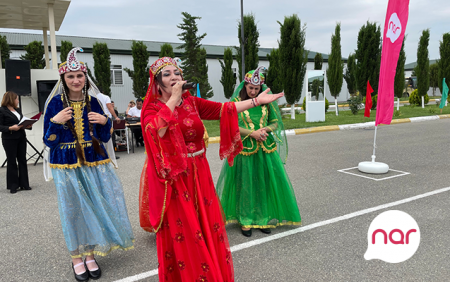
(137,131)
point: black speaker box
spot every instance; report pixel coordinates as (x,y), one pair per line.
(44,88)
(18,77)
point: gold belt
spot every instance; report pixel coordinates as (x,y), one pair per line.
(196,153)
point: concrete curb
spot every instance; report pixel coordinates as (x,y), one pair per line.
(213,140)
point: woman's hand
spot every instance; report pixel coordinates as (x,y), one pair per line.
(64,115)
(265,98)
(29,126)
(177,91)
(97,118)
(260,134)
(15,127)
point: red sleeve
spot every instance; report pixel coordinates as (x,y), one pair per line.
(230,138)
(208,110)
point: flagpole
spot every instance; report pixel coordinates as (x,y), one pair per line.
(374,144)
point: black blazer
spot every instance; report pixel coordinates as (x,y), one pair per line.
(7,119)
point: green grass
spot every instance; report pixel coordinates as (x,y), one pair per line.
(345,117)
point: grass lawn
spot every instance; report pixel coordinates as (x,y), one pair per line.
(345,117)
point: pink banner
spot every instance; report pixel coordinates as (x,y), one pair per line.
(394,32)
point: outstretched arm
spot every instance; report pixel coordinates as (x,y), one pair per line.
(262,99)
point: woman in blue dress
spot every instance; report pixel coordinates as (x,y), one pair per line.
(91,202)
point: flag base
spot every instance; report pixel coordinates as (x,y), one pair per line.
(373,167)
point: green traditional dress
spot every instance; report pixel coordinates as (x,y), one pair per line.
(256,192)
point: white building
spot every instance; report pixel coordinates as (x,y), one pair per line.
(121,58)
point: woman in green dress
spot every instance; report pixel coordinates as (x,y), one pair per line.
(256,191)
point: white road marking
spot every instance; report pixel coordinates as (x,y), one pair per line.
(250,244)
(402,173)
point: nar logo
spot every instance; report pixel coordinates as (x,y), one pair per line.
(393,237)
(394,28)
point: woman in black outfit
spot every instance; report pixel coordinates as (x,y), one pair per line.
(14,143)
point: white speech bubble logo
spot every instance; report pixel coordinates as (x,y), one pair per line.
(394,28)
(393,237)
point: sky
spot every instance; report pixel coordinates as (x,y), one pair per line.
(157,21)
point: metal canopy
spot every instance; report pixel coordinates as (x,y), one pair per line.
(31,14)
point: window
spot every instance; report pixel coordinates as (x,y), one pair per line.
(116,75)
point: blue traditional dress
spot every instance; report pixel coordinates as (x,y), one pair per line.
(91,202)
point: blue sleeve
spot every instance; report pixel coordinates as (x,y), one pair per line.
(52,131)
(103,131)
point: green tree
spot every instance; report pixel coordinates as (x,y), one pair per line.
(335,70)
(166,51)
(399,82)
(293,58)
(66,46)
(205,89)
(434,76)
(102,66)
(444,61)
(228,78)
(318,61)
(4,49)
(251,45)
(140,73)
(423,64)
(315,88)
(273,78)
(368,57)
(35,54)
(350,74)
(193,55)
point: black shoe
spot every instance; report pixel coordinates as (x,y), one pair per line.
(12,191)
(265,230)
(96,274)
(117,157)
(246,233)
(25,188)
(81,277)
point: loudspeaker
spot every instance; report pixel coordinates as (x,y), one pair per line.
(18,77)
(44,88)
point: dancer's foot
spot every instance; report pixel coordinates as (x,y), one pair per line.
(247,232)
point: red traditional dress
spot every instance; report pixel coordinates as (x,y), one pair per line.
(178,200)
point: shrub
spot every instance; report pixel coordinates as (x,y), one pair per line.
(355,104)
(397,113)
(374,102)
(327,104)
(415,99)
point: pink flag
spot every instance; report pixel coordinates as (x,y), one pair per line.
(394,32)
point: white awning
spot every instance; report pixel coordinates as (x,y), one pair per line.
(31,14)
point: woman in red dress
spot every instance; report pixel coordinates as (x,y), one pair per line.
(177,196)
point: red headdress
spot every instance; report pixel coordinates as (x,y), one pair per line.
(155,69)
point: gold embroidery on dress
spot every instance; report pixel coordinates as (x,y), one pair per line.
(78,164)
(52,137)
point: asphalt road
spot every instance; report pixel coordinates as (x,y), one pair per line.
(34,249)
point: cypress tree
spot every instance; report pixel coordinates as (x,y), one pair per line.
(194,58)
(293,58)
(251,45)
(140,73)
(273,77)
(102,66)
(399,82)
(205,89)
(5,49)
(444,61)
(350,74)
(368,57)
(318,61)
(423,64)
(228,79)
(35,54)
(66,46)
(335,70)
(166,51)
